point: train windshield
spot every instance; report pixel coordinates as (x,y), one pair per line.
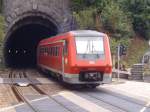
(90,46)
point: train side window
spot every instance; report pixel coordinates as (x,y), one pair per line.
(41,50)
(51,51)
(48,50)
(56,51)
(53,54)
(44,49)
(65,50)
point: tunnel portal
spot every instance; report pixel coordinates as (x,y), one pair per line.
(28,22)
(21,46)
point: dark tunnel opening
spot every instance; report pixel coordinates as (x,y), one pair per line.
(21,46)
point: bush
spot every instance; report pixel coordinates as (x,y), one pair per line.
(1,29)
(139,11)
(85,19)
(116,22)
(115,42)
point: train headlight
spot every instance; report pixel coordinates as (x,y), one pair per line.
(66,61)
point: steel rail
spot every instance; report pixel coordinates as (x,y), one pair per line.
(44,93)
(19,95)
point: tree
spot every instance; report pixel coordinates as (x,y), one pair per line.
(139,10)
(116,21)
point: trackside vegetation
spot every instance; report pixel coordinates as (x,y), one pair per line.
(123,20)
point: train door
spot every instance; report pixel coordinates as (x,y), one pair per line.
(64,54)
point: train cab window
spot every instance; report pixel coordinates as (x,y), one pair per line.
(90,47)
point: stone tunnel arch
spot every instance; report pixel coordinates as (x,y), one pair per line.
(22,40)
(29,21)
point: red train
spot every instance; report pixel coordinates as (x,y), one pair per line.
(77,57)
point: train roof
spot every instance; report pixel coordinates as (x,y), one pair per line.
(86,33)
(78,33)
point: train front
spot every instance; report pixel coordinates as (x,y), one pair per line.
(90,58)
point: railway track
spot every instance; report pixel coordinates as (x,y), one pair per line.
(114,101)
(44,93)
(73,100)
(21,98)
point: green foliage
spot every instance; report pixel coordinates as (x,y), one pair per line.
(116,22)
(136,51)
(108,14)
(85,19)
(1,29)
(115,42)
(139,11)
(1,40)
(78,5)
(119,17)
